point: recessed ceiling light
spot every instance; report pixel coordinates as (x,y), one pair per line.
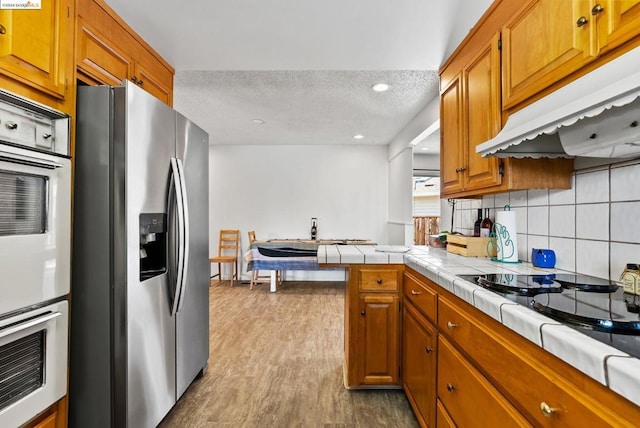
(358,137)
(380,87)
(258,121)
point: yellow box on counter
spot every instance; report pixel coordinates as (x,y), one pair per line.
(470,246)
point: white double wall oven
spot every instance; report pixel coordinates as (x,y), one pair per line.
(35,253)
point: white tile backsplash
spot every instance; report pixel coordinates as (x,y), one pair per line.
(565,250)
(538,197)
(592,187)
(564,196)
(592,221)
(518,199)
(592,258)
(625,222)
(594,227)
(501,200)
(562,221)
(538,220)
(621,254)
(624,183)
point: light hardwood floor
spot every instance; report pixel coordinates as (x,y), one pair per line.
(276,361)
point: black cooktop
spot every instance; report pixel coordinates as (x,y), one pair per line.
(595,306)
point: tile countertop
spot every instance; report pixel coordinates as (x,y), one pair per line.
(609,366)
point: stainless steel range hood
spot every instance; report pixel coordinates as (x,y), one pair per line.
(596,115)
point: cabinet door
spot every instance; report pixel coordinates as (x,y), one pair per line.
(542,44)
(419,365)
(98,60)
(378,340)
(483,115)
(451,137)
(34,46)
(617,22)
(155,79)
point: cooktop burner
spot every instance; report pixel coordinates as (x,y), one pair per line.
(597,307)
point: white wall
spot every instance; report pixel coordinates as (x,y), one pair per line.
(401,198)
(275,190)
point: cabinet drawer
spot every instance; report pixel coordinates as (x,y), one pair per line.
(442,418)
(422,297)
(468,397)
(521,371)
(375,279)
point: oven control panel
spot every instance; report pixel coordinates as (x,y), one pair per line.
(32,126)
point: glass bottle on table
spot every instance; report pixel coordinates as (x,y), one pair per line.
(486,225)
(314,229)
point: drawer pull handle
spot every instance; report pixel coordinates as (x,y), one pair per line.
(582,21)
(450,387)
(451,324)
(429,349)
(415,293)
(547,410)
(379,281)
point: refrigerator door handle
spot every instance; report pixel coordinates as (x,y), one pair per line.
(176,185)
(183,204)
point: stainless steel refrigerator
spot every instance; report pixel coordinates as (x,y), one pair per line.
(140,274)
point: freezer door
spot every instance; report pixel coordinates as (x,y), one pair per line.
(149,146)
(192,323)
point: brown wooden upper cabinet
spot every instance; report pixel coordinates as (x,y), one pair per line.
(470,112)
(109,51)
(547,40)
(34,53)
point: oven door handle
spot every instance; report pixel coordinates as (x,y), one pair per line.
(30,323)
(29,161)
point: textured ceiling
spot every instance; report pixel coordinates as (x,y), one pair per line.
(298,64)
(303,107)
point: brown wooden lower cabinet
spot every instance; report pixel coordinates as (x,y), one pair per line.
(443,420)
(470,399)
(488,375)
(419,364)
(372,326)
(54,417)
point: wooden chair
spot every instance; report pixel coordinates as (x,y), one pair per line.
(227,253)
(256,278)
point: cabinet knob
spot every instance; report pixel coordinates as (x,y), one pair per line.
(451,324)
(546,409)
(379,281)
(134,79)
(46,136)
(362,313)
(450,387)
(11,125)
(597,9)
(2,29)
(429,349)
(582,21)
(415,293)
(140,82)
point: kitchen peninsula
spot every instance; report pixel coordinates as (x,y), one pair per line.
(411,315)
